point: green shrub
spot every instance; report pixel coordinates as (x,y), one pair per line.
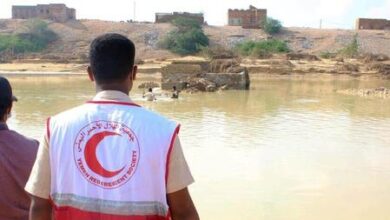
(262,49)
(351,50)
(272,26)
(35,37)
(187,38)
(15,43)
(40,31)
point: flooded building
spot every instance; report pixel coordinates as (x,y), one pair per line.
(54,12)
(252,18)
(169,17)
(372,24)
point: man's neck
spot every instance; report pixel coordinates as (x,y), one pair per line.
(3,121)
(99,89)
(3,125)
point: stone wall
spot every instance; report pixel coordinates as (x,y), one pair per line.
(251,18)
(178,74)
(372,24)
(24,12)
(55,12)
(204,76)
(235,81)
(169,17)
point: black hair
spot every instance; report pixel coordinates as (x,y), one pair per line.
(111,58)
(150,90)
(5,104)
(174,88)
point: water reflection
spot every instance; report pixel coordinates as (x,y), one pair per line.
(287,149)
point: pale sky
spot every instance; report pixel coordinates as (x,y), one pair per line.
(297,13)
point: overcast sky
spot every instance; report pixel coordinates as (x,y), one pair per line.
(301,13)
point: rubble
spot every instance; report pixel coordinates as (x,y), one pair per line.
(205,77)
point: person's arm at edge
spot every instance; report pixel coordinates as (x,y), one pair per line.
(179,199)
(182,206)
(39,183)
(40,209)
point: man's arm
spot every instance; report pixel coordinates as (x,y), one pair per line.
(181,205)
(38,185)
(40,209)
(179,178)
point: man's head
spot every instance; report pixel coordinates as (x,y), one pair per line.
(6,99)
(150,90)
(112,62)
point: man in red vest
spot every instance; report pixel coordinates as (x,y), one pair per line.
(110,158)
(17,155)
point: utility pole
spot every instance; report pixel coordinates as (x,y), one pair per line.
(321,23)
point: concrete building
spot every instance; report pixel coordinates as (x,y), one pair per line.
(55,12)
(169,17)
(372,24)
(252,18)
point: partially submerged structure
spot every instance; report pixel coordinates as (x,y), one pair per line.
(252,18)
(54,12)
(372,24)
(169,17)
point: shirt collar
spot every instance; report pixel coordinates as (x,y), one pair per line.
(112,95)
(3,126)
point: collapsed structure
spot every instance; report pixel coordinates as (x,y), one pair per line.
(372,24)
(252,18)
(169,17)
(54,12)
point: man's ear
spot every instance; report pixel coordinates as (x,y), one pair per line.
(134,72)
(90,74)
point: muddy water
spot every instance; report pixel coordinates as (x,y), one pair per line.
(286,149)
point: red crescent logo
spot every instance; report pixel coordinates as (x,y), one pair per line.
(102,173)
(90,155)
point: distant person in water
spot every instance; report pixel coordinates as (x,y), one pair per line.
(175,93)
(17,156)
(150,95)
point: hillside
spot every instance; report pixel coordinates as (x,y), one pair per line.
(75,37)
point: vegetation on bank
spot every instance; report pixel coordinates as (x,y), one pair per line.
(351,50)
(187,38)
(262,49)
(34,37)
(272,26)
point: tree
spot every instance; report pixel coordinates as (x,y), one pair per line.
(272,26)
(187,38)
(35,37)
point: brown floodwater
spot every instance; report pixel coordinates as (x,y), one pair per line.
(285,150)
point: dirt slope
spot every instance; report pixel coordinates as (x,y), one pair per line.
(76,36)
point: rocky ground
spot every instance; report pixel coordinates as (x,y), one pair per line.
(212,75)
(377,92)
(75,37)
(315,41)
(368,66)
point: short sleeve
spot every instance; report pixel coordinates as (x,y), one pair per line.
(39,182)
(179,173)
